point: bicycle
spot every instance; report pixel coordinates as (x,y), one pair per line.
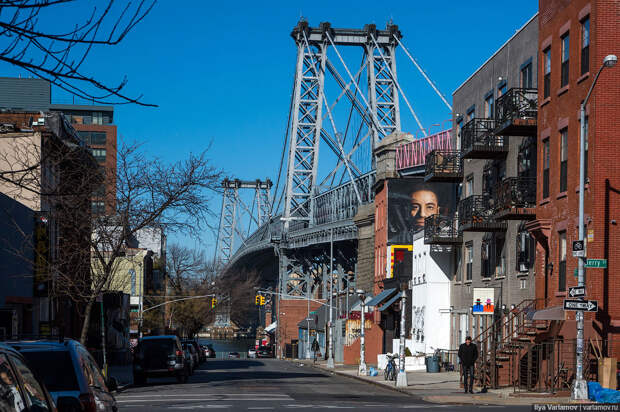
(390,369)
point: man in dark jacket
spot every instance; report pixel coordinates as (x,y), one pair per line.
(468,353)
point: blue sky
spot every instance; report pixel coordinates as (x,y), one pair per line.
(221,72)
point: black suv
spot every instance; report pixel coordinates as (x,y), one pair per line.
(20,390)
(157,356)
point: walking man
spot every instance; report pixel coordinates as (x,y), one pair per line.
(315,348)
(468,353)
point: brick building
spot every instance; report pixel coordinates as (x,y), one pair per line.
(574,38)
(95,125)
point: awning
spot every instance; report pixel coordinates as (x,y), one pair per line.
(552,313)
(389,302)
(381,297)
(271,327)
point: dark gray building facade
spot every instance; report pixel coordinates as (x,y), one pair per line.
(495,253)
(25,94)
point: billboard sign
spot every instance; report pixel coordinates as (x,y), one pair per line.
(410,201)
(484,301)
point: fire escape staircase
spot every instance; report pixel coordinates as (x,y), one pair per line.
(504,345)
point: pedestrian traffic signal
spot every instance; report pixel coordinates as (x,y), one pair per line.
(257,299)
(262,300)
(213,302)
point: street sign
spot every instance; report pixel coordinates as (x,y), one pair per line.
(596,263)
(585,305)
(577,291)
(579,249)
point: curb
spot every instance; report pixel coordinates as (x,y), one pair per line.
(122,388)
(380,385)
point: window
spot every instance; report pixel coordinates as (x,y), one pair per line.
(522,283)
(471,113)
(97,118)
(485,267)
(585,134)
(489,112)
(459,270)
(526,76)
(34,392)
(132,274)
(99,155)
(565,56)
(562,259)
(563,159)
(585,45)
(46,365)
(469,260)
(98,138)
(546,161)
(501,88)
(469,186)
(11,399)
(547,71)
(500,257)
(525,251)
(97,207)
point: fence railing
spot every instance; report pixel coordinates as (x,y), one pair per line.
(441,229)
(479,133)
(517,192)
(444,162)
(516,103)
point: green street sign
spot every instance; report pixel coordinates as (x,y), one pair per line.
(596,263)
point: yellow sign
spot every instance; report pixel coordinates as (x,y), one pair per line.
(391,251)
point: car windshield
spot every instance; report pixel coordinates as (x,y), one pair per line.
(47,364)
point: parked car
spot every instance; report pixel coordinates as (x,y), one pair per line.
(20,388)
(157,356)
(264,352)
(211,351)
(80,386)
(200,357)
(189,357)
(234,355)
(252,352)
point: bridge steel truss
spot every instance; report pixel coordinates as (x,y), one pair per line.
(258,214)
(380,109)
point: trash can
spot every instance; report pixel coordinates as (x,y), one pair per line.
(432,364)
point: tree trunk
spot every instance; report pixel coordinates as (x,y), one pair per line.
(85,325)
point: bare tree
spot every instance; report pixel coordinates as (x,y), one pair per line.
(147,194)
(240,287)
(35,37)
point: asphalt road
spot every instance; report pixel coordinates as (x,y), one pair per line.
(270,384)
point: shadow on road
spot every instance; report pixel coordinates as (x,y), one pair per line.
(231,364)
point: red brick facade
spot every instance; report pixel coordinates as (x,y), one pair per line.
(291,313)
(557,213)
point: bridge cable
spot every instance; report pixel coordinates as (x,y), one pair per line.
(441,96)
(288,128)
(387,66)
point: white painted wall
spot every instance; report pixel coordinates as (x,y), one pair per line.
(431,299)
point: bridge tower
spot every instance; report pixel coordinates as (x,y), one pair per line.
(257,214)
(379,107)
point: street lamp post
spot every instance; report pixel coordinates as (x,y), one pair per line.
(362,368)
(330,359)
(401,378)
(580,388)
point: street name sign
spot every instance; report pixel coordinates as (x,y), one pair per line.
(577,291)
(585,305)
(579,249)
(596,263)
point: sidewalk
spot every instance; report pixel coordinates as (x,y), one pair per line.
(443,387)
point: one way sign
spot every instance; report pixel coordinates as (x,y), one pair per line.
(577,291)
(585,305)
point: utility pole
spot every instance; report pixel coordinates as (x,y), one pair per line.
(362,371)
(580,387)
(330,359)
(401,378)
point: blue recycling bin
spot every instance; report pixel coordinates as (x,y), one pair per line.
(432,364)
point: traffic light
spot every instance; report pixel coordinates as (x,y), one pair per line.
(213,302)
(258,299)
(262,300)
